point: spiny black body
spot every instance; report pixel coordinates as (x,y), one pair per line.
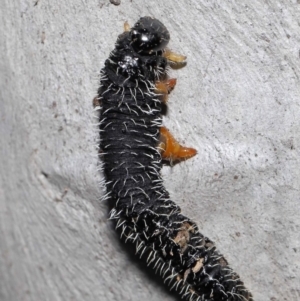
(130,120)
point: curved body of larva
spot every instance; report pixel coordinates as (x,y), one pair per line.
(130,122)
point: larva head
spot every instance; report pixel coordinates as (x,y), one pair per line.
(149,35)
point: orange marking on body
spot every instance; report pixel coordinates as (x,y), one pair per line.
(186,273)
(199,264)
(171,149)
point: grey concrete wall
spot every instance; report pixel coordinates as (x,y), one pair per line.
(236,101)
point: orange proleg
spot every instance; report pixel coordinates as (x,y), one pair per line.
(173,57)
(171,149)
(165,87)
(126,26)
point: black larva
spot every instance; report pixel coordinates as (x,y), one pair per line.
(130,122)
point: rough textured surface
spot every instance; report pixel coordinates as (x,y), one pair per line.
(236,101)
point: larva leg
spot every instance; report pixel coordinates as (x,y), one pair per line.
(96,102)
(171,149)
(126,26)
(173,56)
(165,87)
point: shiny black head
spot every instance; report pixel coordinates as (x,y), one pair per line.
(149,35)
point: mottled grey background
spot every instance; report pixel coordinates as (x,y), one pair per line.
(236,101)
